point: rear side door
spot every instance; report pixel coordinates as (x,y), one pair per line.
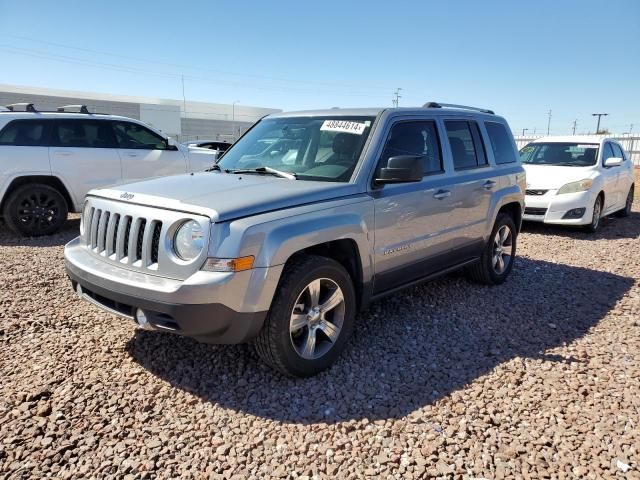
(610,179)
(475,182)
(146,154)
(24,150)
(83,153)
(414,227)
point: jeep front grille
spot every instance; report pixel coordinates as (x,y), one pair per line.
(124,238)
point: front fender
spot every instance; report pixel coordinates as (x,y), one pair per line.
(272,238)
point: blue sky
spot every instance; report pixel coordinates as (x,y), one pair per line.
(519,58)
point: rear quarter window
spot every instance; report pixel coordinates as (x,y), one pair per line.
(501,143)
(24,133)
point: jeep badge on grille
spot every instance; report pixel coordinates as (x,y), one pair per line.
(127,196)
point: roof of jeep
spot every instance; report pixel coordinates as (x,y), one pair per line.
(373,112)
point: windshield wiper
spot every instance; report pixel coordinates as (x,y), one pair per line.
(215,167)
(267,170)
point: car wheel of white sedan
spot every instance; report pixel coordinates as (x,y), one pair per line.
(595,218)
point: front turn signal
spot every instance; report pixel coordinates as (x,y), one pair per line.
(228,264)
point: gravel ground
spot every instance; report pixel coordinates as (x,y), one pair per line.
(538,378)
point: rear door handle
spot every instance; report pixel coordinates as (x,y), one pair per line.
(132,154)
(63,153)
(489,184)
(440,194)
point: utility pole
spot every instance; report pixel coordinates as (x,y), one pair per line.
(396,98)
(630,128)
(599,115)
(575,124)
(524,130)
(549,122)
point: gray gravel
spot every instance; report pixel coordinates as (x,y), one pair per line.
(538,378)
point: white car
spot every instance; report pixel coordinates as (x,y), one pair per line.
(50,160)
(576,180)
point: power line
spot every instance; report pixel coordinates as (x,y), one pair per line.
(125,69)
(205,69)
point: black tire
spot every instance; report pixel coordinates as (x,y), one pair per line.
(277,343)
(626,211)
(596,216)
(486,270)
(34,210)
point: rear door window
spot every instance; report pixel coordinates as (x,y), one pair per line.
(467,147)
(25,133)
(501,143)
(83,134)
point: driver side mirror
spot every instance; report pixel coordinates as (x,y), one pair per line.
(402,169)
(613,162)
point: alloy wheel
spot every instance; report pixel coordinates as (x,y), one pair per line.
(317,318)
(502,249)
(38,211)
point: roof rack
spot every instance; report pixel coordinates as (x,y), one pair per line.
(79,108)
(452,105)
(28,107)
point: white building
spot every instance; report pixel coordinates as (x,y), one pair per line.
(216,121)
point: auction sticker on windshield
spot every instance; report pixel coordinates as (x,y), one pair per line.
(343,126)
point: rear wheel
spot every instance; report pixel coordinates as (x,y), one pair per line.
(497,259)
(595,217)
(34,210)
(311,317)
(626,211)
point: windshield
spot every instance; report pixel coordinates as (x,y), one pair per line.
(557,153)
(312,148)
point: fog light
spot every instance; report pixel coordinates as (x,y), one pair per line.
(574,213)
(142,321)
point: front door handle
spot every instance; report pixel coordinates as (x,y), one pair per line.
(132,154)
(61,153)
(440,194)
(489,184)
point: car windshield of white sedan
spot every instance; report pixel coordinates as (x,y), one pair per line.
(309,148)
(560,154)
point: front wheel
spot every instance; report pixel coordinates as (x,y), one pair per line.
(595,218)
(496,261)
(311,317)
(626,211)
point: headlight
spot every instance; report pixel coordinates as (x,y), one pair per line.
(574,187)
(189,240)
(83,217)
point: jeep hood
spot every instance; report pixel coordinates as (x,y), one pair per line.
(224,196)
(552,177)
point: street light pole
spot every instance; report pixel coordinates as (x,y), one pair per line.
(575,124)
(599,115)
(233,119)
(524,130)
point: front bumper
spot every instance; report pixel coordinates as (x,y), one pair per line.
(552,208)
(211,307)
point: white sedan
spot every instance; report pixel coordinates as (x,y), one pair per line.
(576,180)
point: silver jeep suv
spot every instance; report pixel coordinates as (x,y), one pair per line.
(304,221)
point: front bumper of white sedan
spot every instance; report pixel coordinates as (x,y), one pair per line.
(566,209)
